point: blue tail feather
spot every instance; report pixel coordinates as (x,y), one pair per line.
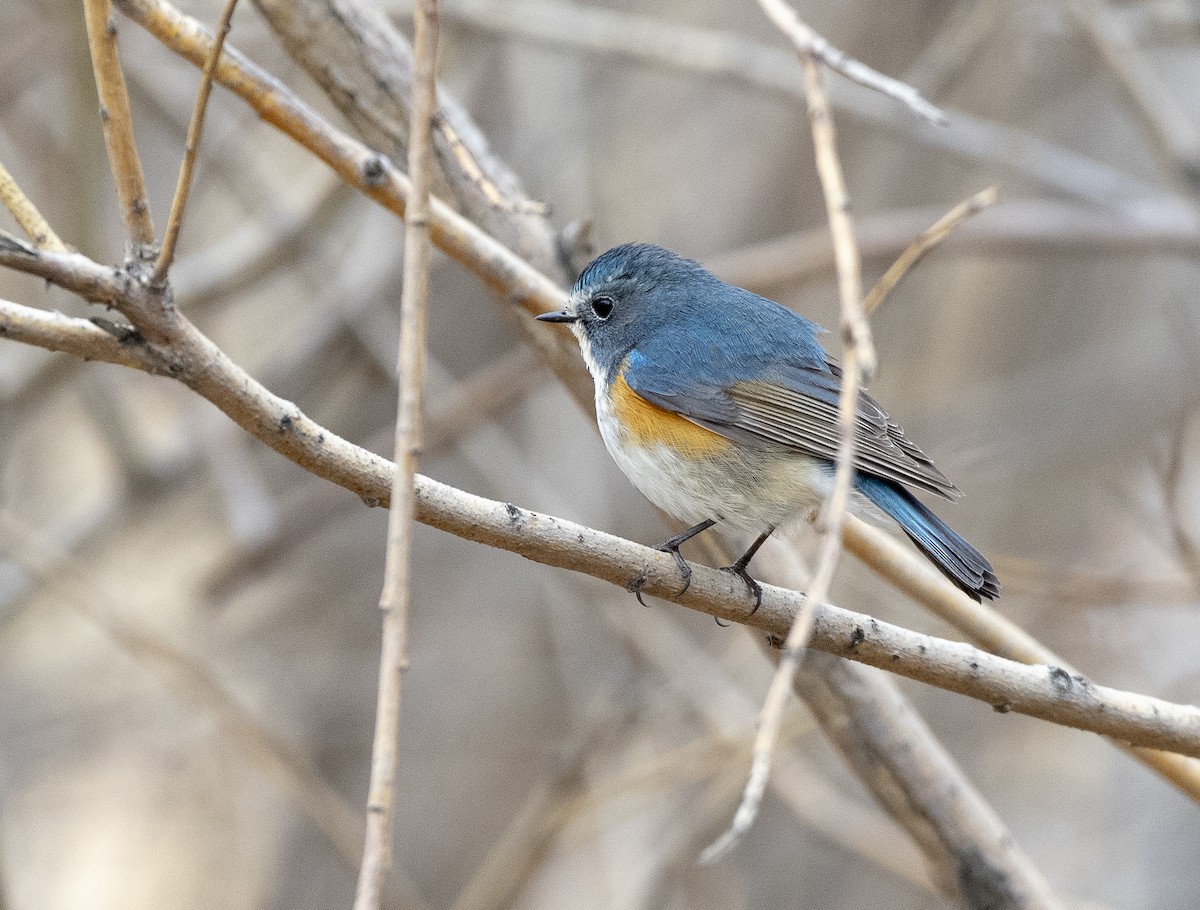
(958,560)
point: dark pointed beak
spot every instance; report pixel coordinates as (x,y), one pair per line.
(557,317)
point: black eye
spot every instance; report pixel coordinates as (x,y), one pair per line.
(603,307)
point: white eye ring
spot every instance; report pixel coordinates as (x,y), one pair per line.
(602,306)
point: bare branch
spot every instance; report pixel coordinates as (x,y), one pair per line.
(858,361)
(365,66)
(192,146)
(27,215)
(78,337)
(197,362)
(375,176)
(988,628)
(919,248)
(410,371)
(730,55)
(812,46)
(117,119)
(887,743)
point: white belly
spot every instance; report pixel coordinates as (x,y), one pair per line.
(752,489)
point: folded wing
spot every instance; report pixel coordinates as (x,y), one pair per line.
(792,405)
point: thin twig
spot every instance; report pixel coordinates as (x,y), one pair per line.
(410,370)
(858,361)
(26,214)
(812,46)
(919,248)
(192,146)
(117,119)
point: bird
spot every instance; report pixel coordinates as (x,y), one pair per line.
(720,405)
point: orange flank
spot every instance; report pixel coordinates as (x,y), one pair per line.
(645,424)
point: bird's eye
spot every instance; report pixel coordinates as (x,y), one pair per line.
(603,307)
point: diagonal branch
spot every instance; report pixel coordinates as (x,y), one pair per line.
(814,47)
(27,214)
(926,241)
(858,362)
(183,187)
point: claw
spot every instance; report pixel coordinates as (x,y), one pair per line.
(635,587)
(684,569)
(671,545)
(755,588)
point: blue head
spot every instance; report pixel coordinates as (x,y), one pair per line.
(638,293)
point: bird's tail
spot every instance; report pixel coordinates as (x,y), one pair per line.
(958,560)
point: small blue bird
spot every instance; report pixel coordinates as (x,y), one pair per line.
(721,405)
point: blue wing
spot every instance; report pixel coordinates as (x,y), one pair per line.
(787,396)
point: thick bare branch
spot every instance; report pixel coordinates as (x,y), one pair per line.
(890,747)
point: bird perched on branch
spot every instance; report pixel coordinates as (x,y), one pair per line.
(721,405)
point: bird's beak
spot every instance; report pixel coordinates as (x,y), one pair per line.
(557,317)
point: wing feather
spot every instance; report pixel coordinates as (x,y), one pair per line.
(795,407)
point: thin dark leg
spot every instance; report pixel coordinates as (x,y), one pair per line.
(739,567)
(671,545)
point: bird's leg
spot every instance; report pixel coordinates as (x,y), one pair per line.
(671,545)
(739,567)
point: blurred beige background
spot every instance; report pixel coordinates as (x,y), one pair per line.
(188,623)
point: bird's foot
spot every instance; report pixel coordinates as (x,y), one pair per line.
(685,571)
(739,569)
